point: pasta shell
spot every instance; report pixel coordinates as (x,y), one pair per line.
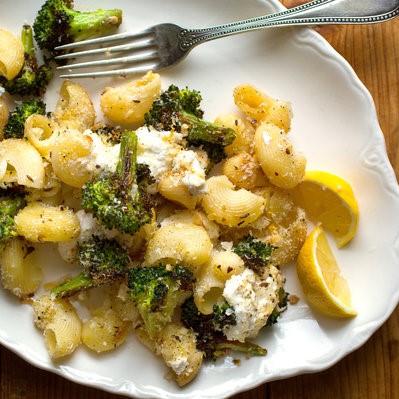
(39,222)
(74,110)
(184,243)
(20,273)
(175,190)
(11,54)
(281,164)
(21,163)
(105,332)
(244,171)
(230,207)
(127,104)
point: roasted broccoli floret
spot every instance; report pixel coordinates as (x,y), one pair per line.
(180,110)
(17,118)
(11,201)
(255,253)
(57,23)
(33,79)
(119,199)
(208,330)
(157,291)
(103,262)
(110,134)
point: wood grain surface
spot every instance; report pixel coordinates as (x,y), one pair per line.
(370,372)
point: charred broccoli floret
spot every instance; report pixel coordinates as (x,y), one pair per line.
(17,118)
(208,330)
(11,201)
(57,23)
(119,199)
(255,253)
(103,261)
(110,134)
(33,79)
(157,291)
(179,109)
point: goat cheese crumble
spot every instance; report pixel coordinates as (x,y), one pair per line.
(253,299)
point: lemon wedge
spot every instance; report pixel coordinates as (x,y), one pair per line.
(320,276)
(329,200)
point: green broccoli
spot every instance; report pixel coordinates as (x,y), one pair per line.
(256,254)
(17,118)
(180,110)
(157,291)
(103,261)
(33,79)
(11,201)
(119,199)
(57,23)
(208,330)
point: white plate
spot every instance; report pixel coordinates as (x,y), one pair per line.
(335,125)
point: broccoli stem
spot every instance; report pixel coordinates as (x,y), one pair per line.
(27,41)
(126,168)
(202,131)
(80,282)
(250,348)
(84,25)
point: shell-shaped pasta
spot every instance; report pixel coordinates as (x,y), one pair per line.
(208,288)
(244,171)
(105,332)
(41,132)
(197,217)
(177,346)
(127,104)
(20,162)
(39,222)
(230,207)
(60,324)
(252,101)
(184,243)
(175,190)
(244,130)
(11,54)
(74,109)
(20,272)
(281,164)
(4,111)
(69,152)
(280,114)
(226,264)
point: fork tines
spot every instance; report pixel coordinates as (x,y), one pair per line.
(140,52)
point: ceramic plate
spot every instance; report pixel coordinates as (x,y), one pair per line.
(335,125)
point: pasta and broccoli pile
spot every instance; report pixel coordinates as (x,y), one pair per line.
(178,224)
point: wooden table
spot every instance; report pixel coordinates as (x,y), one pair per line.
(370,372)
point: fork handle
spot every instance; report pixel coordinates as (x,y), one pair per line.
(316,12)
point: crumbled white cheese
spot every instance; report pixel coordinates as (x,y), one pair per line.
(253,299)
(187,166)
(2,90)
(178,365)
(102,156)
(157,149)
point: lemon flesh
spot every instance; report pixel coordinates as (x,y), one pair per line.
(320,276)
(329,200)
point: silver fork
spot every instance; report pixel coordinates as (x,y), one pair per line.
(164,45)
